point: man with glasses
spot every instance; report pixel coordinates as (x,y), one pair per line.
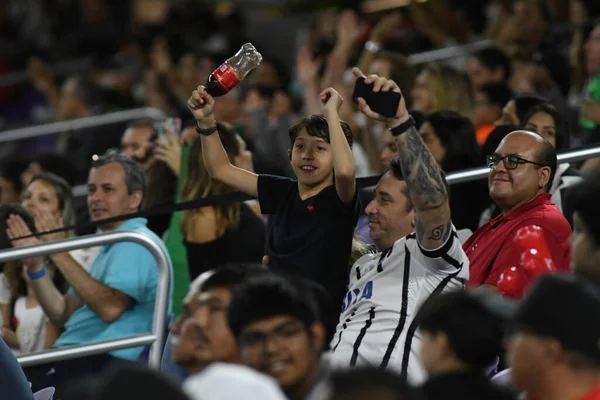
(277,327)
(521,172)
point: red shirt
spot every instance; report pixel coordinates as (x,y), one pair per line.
(490,249)
(593,395)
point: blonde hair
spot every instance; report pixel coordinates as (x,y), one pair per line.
(359,248)
(450,90)
(199,184)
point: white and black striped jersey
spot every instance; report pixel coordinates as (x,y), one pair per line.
(377,324)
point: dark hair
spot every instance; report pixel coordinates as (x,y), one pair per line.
(229,275)
(583,198)
(358,383)
(497,93)
(316,125)
(11,170)
(328,314)
(58,164)
(547,156)
(88,90)
(562,136)
(135,176)
(266,296)
(525,102)
(494,58)
(145,123)
(494,138)
(396,170)
(474,335)
(457,135)
(419,117)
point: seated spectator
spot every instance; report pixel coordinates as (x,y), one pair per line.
(377,323)
(362,383)
(461,339)
(489,101)
(200,335)
(583,198)
(110,301)
(442,88)
(49,199)
(25,327)
(489,66)
(141,142)
(515,111)
(546,122)
(54,163)
(521,172)
(212,232)
(553,352)
(450,138)
(278,332)
(10,179)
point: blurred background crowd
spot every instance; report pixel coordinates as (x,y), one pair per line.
(471,72)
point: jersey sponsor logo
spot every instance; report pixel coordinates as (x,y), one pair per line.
(355,295)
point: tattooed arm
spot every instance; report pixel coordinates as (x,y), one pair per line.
(423,177)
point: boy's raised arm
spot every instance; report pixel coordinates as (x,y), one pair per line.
(216,161)
(343,161)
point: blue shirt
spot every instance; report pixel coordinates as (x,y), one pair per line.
(131,269)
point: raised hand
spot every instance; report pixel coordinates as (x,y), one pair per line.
(348,28)
(202,106)
(307,67)
(331,100)
(45,222)
(18,228)
(385,27)
(381,84)
(168,150)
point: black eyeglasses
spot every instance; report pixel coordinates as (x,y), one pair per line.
(510,161)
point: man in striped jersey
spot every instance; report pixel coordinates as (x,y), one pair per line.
(420,256)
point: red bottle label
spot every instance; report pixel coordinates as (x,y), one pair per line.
(226,76)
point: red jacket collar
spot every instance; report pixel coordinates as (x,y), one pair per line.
(517,212)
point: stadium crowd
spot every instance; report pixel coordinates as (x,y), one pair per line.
(321,285)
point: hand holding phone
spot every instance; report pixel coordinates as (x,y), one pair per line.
(382,99)
(170,126)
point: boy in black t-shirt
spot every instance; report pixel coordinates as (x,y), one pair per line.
(314,216)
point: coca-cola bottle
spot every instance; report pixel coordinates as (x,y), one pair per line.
(232,71)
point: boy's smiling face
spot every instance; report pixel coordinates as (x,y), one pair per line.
(312,160)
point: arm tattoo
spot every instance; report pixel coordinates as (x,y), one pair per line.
(421,172)
(438,233)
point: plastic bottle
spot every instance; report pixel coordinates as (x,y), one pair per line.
(233,71)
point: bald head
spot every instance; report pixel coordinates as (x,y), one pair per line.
(545,153)
(527,170)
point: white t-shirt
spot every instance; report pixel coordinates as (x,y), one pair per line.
(377,324)
(4,294)
(31,330)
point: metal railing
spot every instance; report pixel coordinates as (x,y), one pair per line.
(449,52)
(79,123)
(474,174)
(156,339)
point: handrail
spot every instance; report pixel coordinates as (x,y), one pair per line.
(58,69)
(449,52)
(474,174)
(79,123)
(160,306)
(65,353)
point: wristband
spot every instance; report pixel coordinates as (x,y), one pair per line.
(403,127)
(38,274)
(206,132)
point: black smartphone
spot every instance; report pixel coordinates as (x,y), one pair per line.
(384,103)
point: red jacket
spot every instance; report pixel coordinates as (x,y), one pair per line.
(490,249)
